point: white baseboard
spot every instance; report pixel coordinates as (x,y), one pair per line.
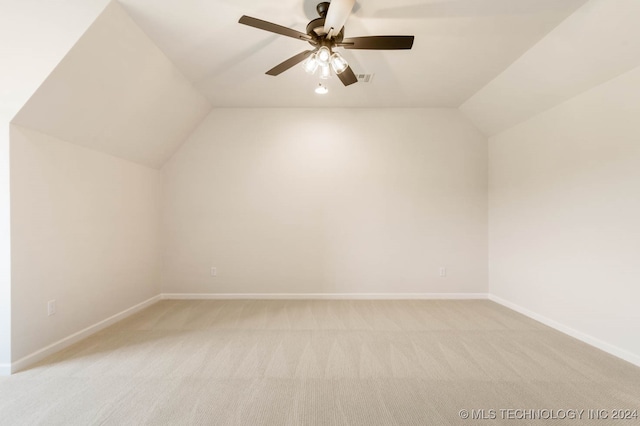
(586,338)
(75,337)
(323,296)
(5,369)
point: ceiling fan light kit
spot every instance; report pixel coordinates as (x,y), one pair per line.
(323,55)
(326,60)
(325,34)
(338,63)
(310,65)
(325,72)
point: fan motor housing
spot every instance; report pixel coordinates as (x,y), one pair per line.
(315,29)
(322,9)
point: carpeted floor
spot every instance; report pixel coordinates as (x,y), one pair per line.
(322,363)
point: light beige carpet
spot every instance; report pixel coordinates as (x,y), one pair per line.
(320,363)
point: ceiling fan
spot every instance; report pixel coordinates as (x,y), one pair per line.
(325,34)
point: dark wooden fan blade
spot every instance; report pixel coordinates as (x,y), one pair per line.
(294,60)
(347,77)
(378,42)
(274,28)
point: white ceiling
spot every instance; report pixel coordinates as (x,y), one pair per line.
(146,72)
(34,36)
(598,42)
(117,93)
(460,46)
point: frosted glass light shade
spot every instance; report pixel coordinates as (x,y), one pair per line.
(325,72)
(338,63)
(310,65)
(323,56)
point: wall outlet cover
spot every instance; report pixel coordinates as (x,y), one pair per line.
(51,307)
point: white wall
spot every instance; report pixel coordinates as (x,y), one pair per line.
(117,93)
(34,36)
(85,232)
(327,201)
(565,215)
(600,41)
(114,92)
(5,252)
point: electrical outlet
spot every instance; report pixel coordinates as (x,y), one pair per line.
(443,271)
(51,307)
(214,271)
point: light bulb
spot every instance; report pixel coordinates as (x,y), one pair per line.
(311,64)
(321,90)
(323,55)
(338,63)
(325,72)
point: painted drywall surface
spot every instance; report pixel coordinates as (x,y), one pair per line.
(34,36)
(564,213)
(600,41)
(460,45)
(327,201)
(117,93)
(5,252)
(85,232)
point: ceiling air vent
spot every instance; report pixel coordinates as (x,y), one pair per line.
(364,78)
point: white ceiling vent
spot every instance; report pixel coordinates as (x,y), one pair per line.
(364,78)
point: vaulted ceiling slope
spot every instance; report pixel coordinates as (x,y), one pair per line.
(34,36)
(146,72)
(600,41)
(116,92)
(460,46)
